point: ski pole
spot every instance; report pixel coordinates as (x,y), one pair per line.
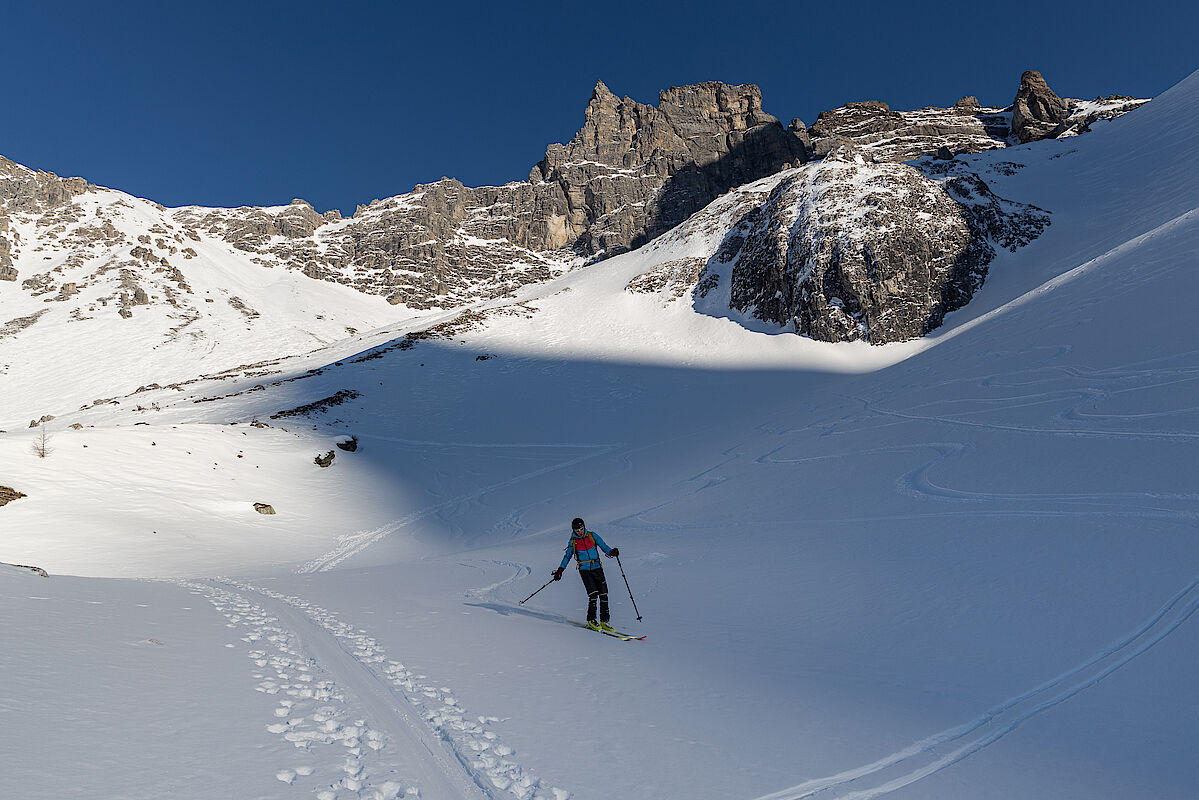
(530,597)
(626,586)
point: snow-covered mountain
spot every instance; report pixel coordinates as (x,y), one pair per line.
(958,566)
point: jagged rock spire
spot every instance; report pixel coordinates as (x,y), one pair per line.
(1037,110)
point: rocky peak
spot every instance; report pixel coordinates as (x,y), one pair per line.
(634,171)
(1036,111)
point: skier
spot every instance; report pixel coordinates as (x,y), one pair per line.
(586,546)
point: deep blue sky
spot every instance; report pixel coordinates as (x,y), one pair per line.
(254,103)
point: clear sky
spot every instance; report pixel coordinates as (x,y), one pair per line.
(254,103)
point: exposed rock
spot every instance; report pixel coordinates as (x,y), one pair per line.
(675,278)
(350,445)
(319,405)
(22,189)
(264,508)
(7,271)
(326,459)
(632,172)
(800,131)
(873,127)
(854,120)
(1083,114)
(7,495)
(849,249)
(1036,111)
(34,570)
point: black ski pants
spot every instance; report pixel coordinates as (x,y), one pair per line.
(597,590)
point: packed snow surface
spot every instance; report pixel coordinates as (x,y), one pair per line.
(962,567)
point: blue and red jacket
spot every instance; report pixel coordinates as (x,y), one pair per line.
(585,547)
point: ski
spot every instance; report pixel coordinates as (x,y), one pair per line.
(624,637)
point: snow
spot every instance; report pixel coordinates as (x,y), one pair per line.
(961,568)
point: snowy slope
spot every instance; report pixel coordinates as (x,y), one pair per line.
(207,306)
(963,567)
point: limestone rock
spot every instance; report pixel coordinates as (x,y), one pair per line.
(23,189)
(889,135)
(634,171)
(1036,111)
(852,120)
(7,271)
(967,105)
(849,249)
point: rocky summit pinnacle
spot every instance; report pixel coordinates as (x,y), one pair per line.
(1037,110)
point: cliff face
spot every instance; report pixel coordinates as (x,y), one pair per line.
(634,171)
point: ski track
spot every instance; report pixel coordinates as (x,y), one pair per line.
(351,544)
(935,753)
(488,592)
(402,736)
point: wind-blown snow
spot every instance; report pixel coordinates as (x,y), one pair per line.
(962,567)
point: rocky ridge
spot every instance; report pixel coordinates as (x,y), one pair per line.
(632,172)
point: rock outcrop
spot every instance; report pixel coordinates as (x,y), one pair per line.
(851,249)
(887,135)
(1037,110)
(634,171)
(23,189)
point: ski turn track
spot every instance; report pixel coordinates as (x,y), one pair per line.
(402,736)
(935,753)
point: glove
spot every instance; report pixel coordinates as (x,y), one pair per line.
(614,552)
(557,574)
